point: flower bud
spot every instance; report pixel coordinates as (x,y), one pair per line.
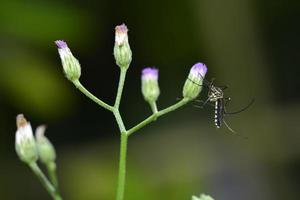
(70,64)
(122,51)
(193,84)
(24,142)
(202,197)
(46,150)
(150,88)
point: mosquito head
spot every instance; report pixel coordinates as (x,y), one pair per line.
(215,93)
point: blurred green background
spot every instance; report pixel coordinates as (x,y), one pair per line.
(252,46)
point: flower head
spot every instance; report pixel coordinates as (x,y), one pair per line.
(61,44)
(46,150)
(24,142)
(202,197)
(150,88)
(198,71)
(122,51)
(121,36)
(150,74)
(70,64)
(193,84)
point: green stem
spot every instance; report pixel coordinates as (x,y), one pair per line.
(122,167)
(119,121)
(51,167)
(177,105)
(118,100)
(124,134)
(156,115)
(154,107)
(124,137)
(120,88)
(45,182)
(91,96)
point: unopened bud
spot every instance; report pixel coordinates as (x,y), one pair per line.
(193,84)
(70,64)
(122,51)
(150,88)
(202,197)
(46,150)
(24,142)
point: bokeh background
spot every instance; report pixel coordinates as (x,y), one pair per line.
(250,45)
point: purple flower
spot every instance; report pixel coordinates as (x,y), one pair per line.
(150,73)
(122,51)
(198,69)
(24,141)
(70,64)
(61,44)
(193,84)
(150,88)
(122,28)
(121,36)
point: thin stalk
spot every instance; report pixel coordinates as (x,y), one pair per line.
(154,107)
(91,96)
(120,88)
(124,137)
(45,182)
(119,121)
(156,115)
(122,167)
(51,167)
(177,105)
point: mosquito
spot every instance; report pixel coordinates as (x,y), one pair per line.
(216,96)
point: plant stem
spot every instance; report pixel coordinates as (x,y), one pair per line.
(120,87)
(156,115)
(177,105)
(45,182)
(122,167)
(124,133)
(154,107)
(118,100)
(119,121)
(51,167)
(124,137)
(91,96)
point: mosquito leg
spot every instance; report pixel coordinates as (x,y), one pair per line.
(241,110)
(229,128)
(226,100)
(224,87)
(203,103)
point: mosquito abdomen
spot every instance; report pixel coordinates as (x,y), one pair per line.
(218,112)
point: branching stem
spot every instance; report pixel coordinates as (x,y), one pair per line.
(126,133)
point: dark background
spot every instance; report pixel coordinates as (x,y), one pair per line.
(250,45)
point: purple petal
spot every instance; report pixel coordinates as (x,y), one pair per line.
(199,68)
(121,28)
(61,44)
(150,72)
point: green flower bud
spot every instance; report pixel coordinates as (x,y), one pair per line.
(193,84)
(46,150)
(150,88)
(25,144)
(202,197)
(122,51)
(70,64)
